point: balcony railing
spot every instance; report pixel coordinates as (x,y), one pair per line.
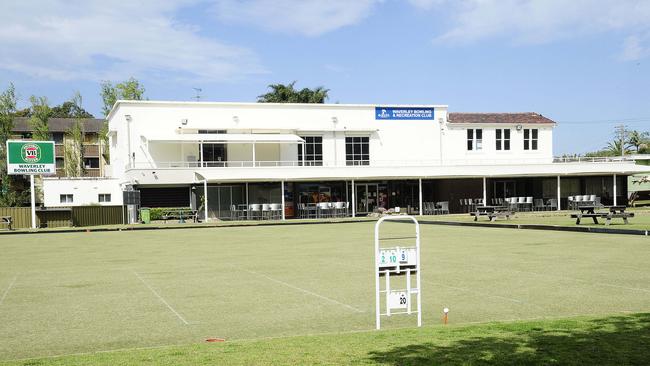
(364,163)
(91,150)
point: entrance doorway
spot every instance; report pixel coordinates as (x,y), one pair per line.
(367,197)
(505,188)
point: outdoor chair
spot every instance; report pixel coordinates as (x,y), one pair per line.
(276,211)
(324,209)
(266,211)
(521,201)
(255,210)
(339,209)
(570,202)
(237,213)
(529,203)
(552,204)
(539,205)
(577,201)
(443,207)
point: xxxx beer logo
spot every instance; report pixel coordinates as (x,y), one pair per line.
(31,153)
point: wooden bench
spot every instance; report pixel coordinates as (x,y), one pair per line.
(492,212)
(613,212)
(6,220)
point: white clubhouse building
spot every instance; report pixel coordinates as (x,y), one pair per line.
(368,155)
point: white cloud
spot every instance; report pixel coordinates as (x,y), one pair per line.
(95,40)
(636,47)
(306,17)
(539,21)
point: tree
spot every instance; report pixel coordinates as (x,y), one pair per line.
(281,93)
(68,109)
(639,141)
(73,150)
(616,148)
(130,89)
(10,195)
(40,115)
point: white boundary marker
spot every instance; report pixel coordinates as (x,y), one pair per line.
(301,289)
(4,295)
(161,298)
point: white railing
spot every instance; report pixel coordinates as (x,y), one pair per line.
(373,163)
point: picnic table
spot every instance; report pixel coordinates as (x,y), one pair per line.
(611,212)
(179,213)
(492,212)
(6,220)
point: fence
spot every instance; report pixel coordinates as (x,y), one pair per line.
(77,216)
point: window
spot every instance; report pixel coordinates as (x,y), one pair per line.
(91,163)
(60,163)
(530,138)
(313,151)
(104,197)
(503,139)
(57,137)
(474,139)
(357,150)
(66,198)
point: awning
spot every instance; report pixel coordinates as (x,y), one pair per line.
(228,138)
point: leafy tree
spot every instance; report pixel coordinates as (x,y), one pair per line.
(73,150)
(40,115)
(10,194)
(281,93)
(640,141)
(69,109)
(127,90)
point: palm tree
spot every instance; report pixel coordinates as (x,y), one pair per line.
(616,148)
(281,93)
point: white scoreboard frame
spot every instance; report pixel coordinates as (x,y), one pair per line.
(386,270)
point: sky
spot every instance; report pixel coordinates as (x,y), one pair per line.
(582,63)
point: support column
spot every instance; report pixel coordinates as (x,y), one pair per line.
(615,200)
(484,191)
(558,194)
(248,211)
(201,153)
(253,154)
(420,196)
(354,201)
(205,200)
(303,153)
(282,195)
(33,195)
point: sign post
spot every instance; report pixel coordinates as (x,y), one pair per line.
(398,261)
(31,158)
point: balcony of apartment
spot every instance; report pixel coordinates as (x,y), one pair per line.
(91,150)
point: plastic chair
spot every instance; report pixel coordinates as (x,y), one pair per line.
(255,210)
(324,209)
(276,210)
(266,211)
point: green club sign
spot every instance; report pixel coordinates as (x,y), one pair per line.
(31,158)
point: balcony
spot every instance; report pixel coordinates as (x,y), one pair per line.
(92,172)
(91,150)
(59,150)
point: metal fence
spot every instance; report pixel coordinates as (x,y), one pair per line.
(76,216)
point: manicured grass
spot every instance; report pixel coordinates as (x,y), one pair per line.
(83,292)
(616,340)
(641,220)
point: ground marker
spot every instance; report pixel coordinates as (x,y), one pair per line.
(445,316)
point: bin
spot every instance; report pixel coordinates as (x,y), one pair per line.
(145,215)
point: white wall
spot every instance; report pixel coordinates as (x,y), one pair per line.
(85,191)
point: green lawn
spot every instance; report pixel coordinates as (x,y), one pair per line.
(641,220)
(69,293)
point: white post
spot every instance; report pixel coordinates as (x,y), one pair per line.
(303,153)
(354,201)
(420,198)
(33,194)
(615,190)
(558,193)
(205,200)
(282,195)
(484,192)
(201,152)
(248,211)
(253,153)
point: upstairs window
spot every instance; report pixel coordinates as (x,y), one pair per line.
(357,150)
(66,198)
(530,138)
(474,139)
(104,197)
(313,151)
(503,139)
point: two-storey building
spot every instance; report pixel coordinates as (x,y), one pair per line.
(372,156)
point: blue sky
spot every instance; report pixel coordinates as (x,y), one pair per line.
(583,63)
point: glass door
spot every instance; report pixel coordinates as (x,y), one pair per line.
(367,196)
(505,189)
